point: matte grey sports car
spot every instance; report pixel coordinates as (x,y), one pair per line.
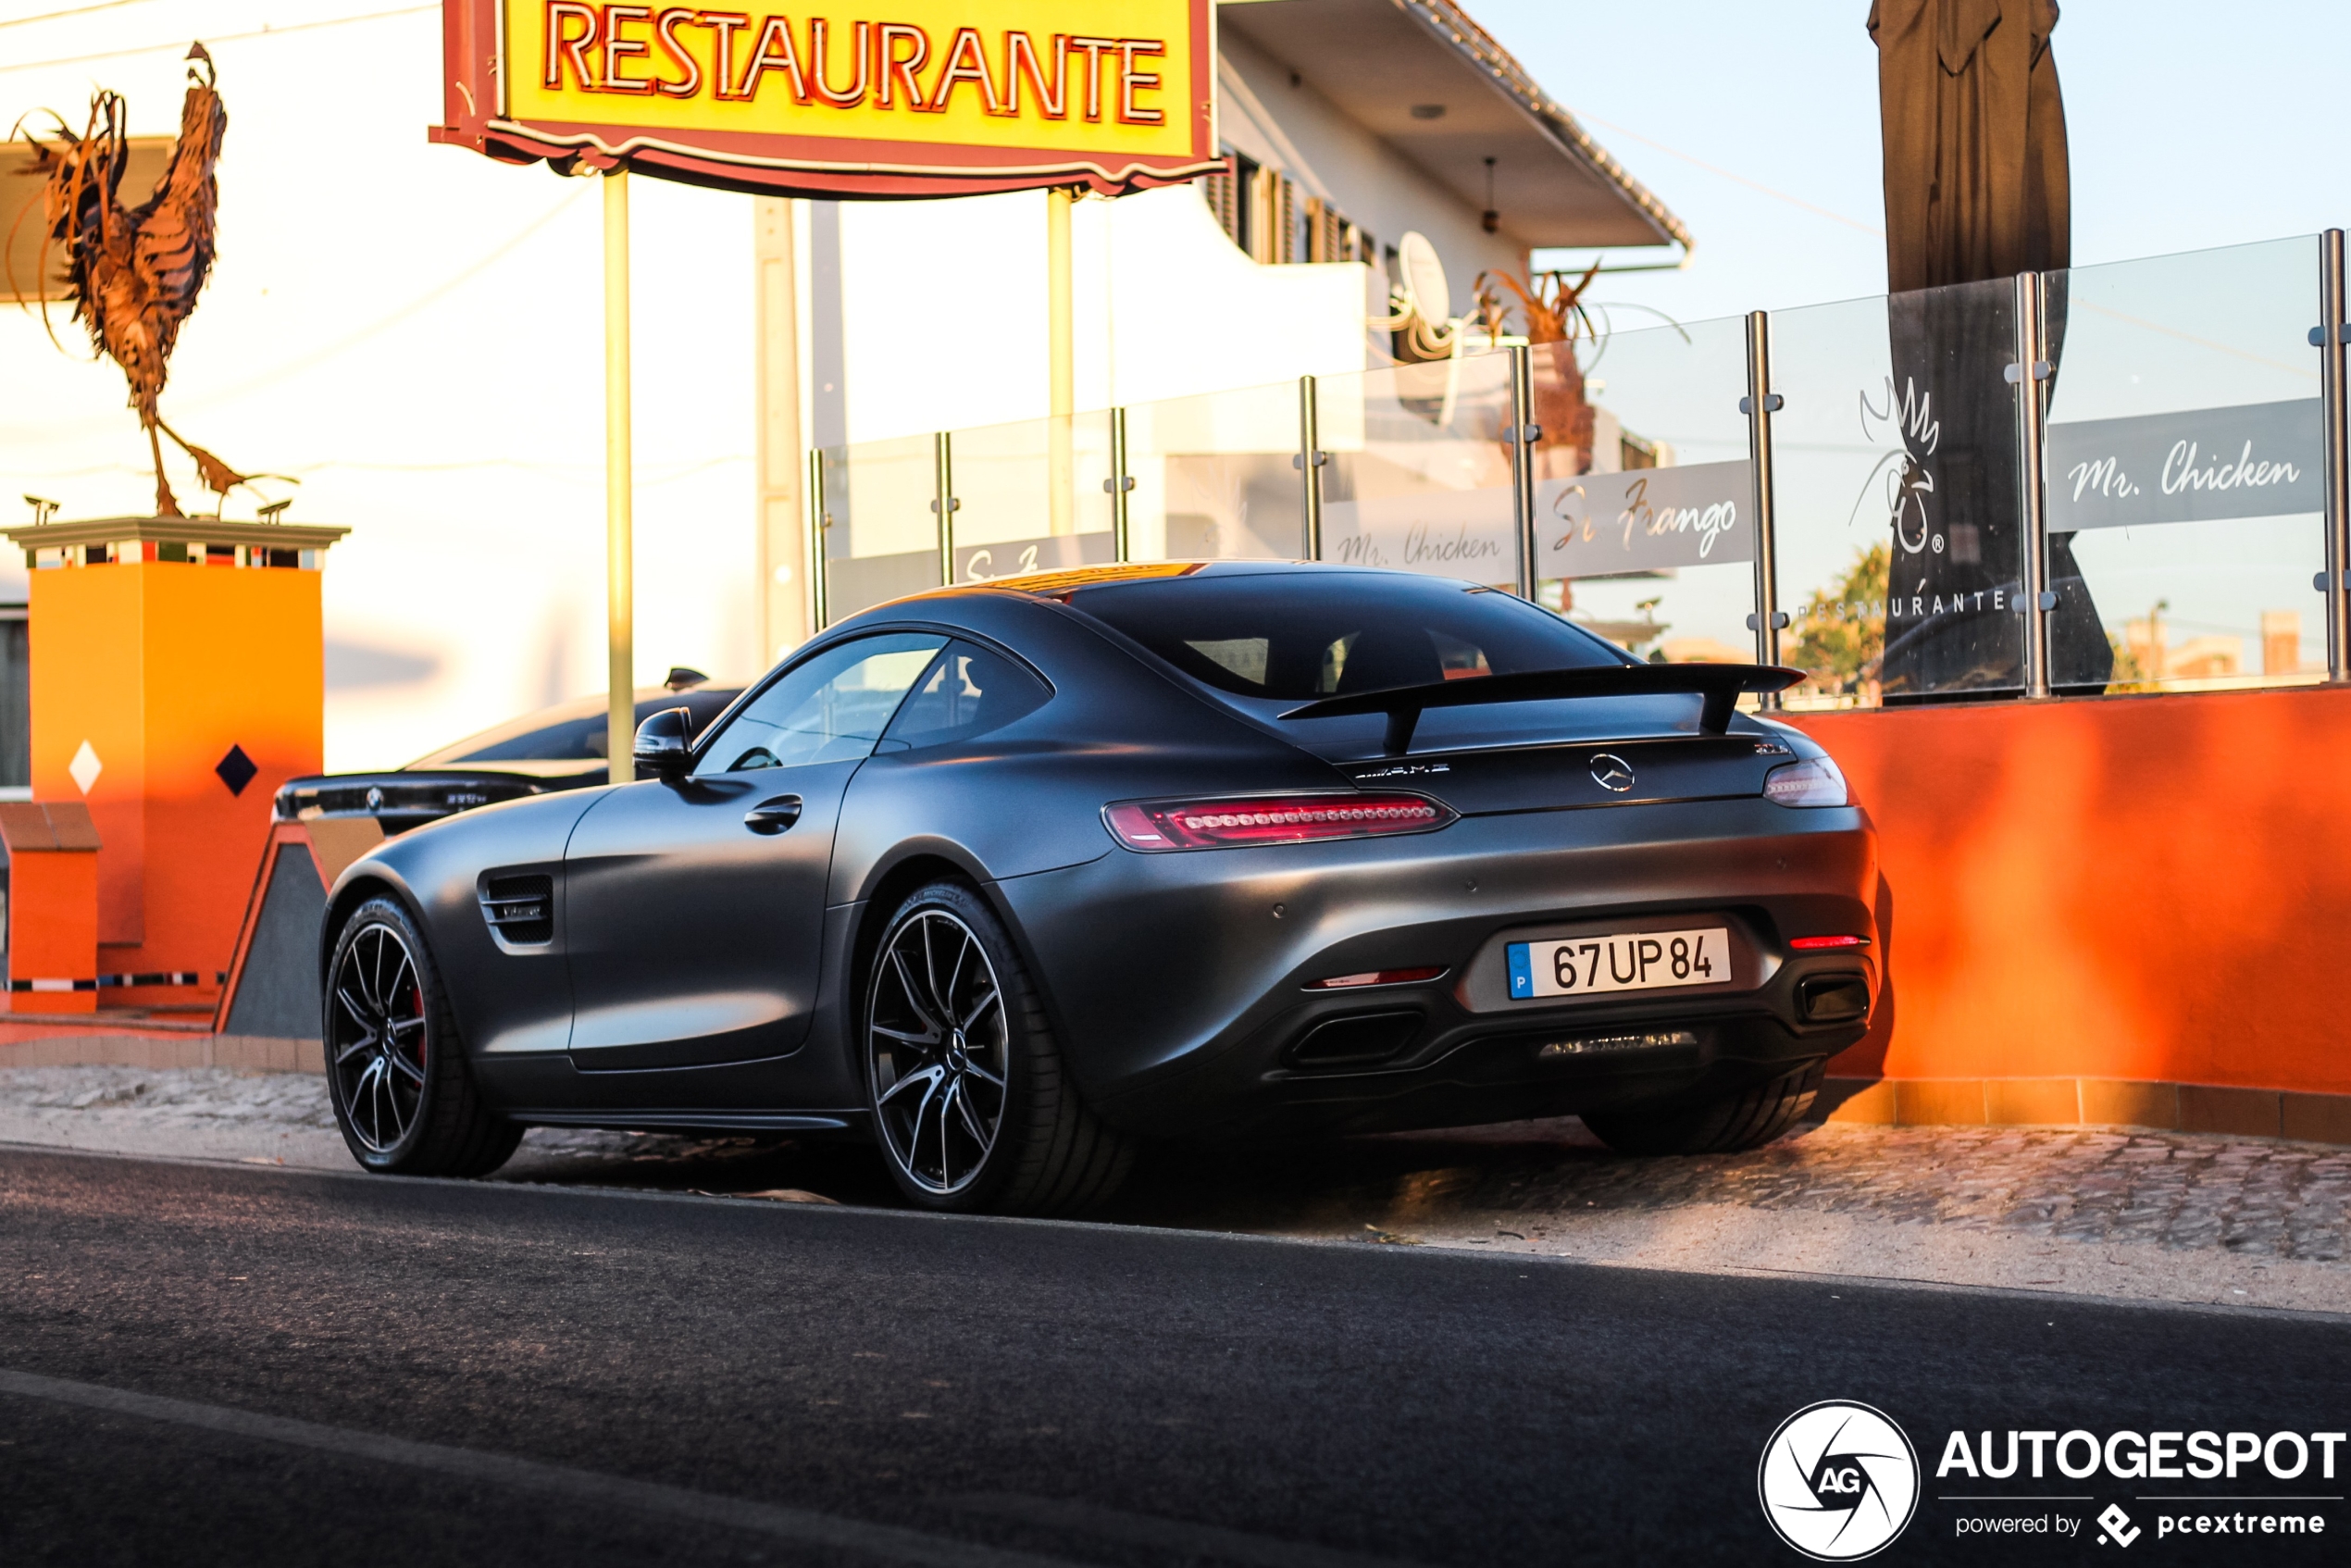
(1010,877)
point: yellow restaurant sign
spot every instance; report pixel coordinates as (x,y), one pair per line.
(929,97)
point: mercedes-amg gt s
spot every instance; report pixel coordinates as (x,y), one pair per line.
(1010,877)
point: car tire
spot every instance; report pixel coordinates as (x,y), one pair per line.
(1749,1119)
(403,1094)
(972,1102)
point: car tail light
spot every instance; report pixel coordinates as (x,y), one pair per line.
(1269,819)
(1376,978)
(1813,944)
(1815,781)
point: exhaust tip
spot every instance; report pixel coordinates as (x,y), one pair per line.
(1833,999)
(1362,1040)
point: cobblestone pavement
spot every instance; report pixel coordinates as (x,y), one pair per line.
(2175,1190)
(2024,1193)
(2178,1190)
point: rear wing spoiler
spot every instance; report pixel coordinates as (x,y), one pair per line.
(1721,685)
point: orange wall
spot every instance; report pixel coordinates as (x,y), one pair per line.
(53,927)
(2148,887)
(88,664)
(162,667)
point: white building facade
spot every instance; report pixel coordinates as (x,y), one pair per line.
(412,333)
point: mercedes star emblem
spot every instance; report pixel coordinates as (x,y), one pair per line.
(1611,772)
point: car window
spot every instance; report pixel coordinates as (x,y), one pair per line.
(966,692)
(581,735)
(832,708)
(1293,637)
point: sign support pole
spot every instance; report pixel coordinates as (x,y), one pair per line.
(1060,349)
(620,725)
(782,525)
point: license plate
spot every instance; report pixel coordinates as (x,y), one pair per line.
(1629,961)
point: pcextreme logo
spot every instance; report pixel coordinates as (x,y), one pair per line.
(1839,1481)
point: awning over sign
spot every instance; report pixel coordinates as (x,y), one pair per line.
(1388,63)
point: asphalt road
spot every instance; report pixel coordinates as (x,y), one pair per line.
(204,1364)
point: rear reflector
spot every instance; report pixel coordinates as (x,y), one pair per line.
(1810,944)
(1376,978)
(1269,819)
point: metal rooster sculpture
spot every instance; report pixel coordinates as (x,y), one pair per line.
(133,273)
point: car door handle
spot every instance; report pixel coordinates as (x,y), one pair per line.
(773,815)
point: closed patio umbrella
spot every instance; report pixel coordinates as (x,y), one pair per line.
(1976,184)
(1977,190)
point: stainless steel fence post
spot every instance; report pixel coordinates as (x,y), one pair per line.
(2031,376)
(1760,404)
(1523,434)
(944,503)
(819,560)
(1310,460)
(1120,484)
(2328,337)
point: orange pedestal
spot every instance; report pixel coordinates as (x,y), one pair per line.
(177,680)
(53,907)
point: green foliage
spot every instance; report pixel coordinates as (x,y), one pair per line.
(1839,636)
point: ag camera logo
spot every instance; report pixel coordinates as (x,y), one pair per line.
(1839,1481)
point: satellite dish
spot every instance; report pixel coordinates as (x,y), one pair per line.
(1424,278)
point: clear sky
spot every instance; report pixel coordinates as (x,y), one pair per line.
(2190,126)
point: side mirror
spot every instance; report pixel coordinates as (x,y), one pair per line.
(665,743)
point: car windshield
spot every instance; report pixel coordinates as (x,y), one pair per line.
(1295,636)
(573,732)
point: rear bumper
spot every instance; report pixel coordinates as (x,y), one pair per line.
(1177,980)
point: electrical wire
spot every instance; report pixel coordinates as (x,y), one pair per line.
(202,400)
(217,38)
(76,11)
(1716,168)
(383,323)
(651,475)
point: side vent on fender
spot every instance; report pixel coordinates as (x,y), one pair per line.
(520,909)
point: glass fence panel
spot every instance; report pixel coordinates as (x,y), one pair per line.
(1894,460)
(881,534)
(1216,476)
(1032,496)
(1644,497)
(2183,472)
(1419,475)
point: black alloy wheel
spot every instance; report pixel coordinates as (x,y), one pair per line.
(942,1060)
(970,1100)
(401,1093)
(379,1040)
